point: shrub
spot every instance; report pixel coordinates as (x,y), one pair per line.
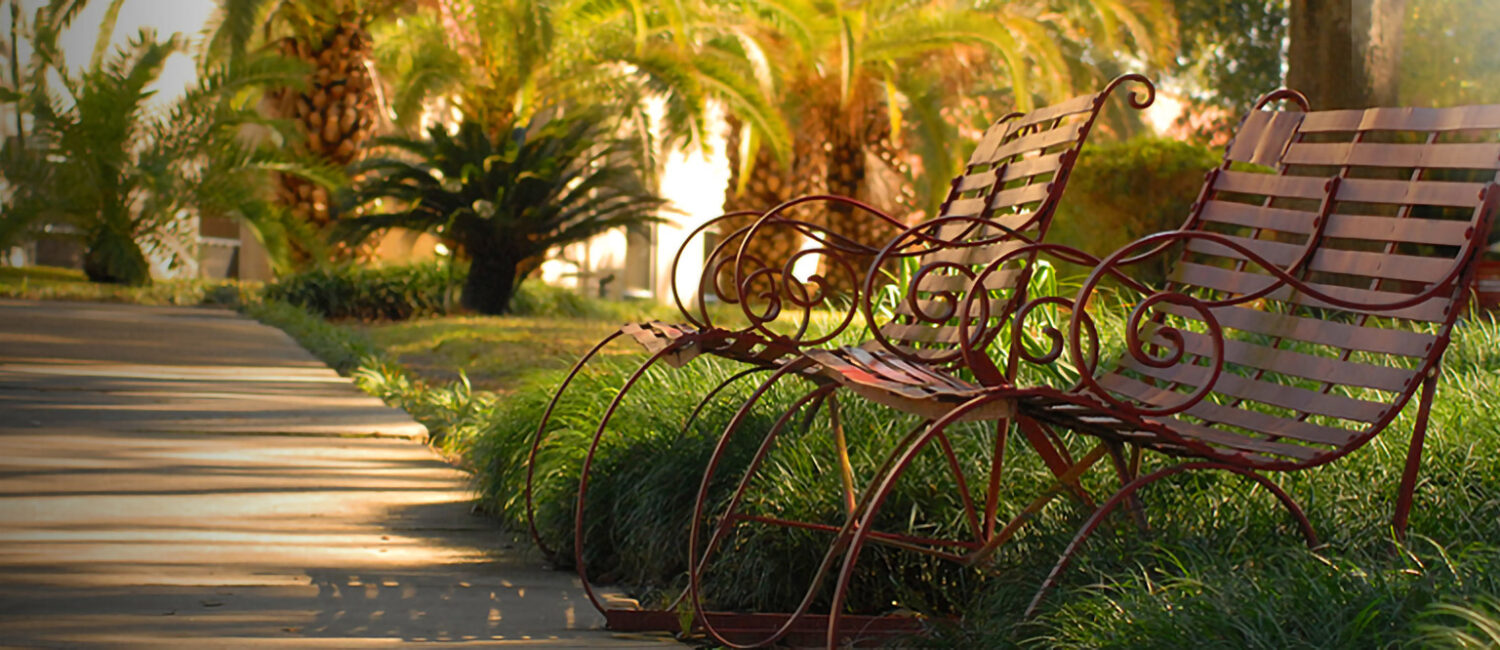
(1120,191)
(384,293)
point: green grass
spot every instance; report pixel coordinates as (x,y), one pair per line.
(51,283)
(497,353)
(1222,566)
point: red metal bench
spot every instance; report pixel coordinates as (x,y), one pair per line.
(1001,203)
(1306,307)
(1008,192)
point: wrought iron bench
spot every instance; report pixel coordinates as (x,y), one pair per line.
(1006,195)
(1002,202)
(1305,309)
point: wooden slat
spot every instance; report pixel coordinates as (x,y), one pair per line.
(1023,169)
(990,141)
(1064,134)
(995,227)
(1257,216)
(1014,171)
(935,307)
(1298,364)
(1340,226)
(1229,416)
(975,255)
(974,181)
(965,208)
(1441,193)
(1022,195)
(1291,187)
(1318,331)
(1289,397)
(1239,441)
(1404,119)
(1440,232)
(1241,283)
(999,280)
(916,333)
(1329,260)
(1263,136)
(1455,155)
(894,368)
(1074,106)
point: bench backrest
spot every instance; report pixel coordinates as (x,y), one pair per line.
(1003,200)
(1379,215)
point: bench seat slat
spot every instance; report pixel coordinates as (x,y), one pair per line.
(1439,193)
(1243,442)
(1074,106)
(1289,187)
(996,304)
(1240,283)
(1062,135)
(1299,364)
(1318,331)
(1329,260)
(1014,171)
(1409,229)
(999,280)
(1265,392)
(1003,199)
(1404,119)
(1485,155)
(923,334)
(1252,420)
(976,256)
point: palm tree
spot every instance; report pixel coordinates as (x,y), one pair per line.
(499,61)
(870,88)
(123,174)
(504,200)
(337,107)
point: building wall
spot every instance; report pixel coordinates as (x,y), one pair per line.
(694,183)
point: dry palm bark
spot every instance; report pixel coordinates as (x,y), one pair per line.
(832,154)
(336,112)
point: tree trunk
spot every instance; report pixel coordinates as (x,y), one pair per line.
(1345,53)
(491,282)
(769,185)
(337,112)
(113,257)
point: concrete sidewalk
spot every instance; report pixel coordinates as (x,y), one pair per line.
(187,477)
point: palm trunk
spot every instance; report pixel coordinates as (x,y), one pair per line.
(337,113)
(491,283)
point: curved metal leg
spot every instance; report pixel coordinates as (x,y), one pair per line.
(697,563)
(588,461)
(688,424)
(1130,489)
(536,441)
(862,530)
(716,390)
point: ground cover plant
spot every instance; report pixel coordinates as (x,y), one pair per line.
(1222,564)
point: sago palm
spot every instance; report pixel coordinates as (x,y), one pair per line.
(503,200)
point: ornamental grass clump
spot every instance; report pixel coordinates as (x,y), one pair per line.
(1221,563)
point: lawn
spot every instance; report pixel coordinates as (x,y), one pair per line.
(497,353)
